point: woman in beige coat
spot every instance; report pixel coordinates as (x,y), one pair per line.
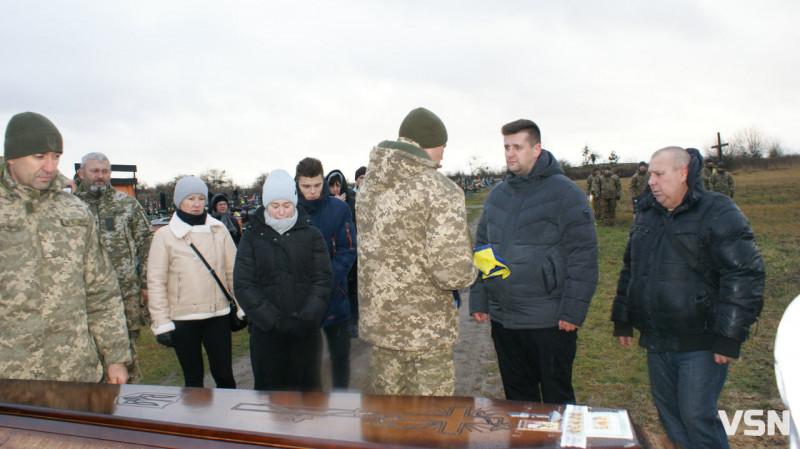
(187,307)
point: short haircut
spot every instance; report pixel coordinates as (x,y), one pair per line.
(308,167)
(535,136)
(93,156)
(679,156)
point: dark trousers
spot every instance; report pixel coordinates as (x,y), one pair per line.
(213,334)
(284,363)
(685,387)
(536,364)
(338,337)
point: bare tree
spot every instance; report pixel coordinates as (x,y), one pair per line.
(775,149)
(749,143)
(217,180)
(258,184)
(588,156)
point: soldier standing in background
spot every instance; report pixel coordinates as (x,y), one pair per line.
(125,235)
(595,201)
(706,173)
(414,250)
(639,181)
(722,181)
(607,188)
(61,314)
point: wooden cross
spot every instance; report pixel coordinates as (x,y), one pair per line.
(718,147)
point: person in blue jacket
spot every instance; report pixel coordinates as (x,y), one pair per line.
(335,221)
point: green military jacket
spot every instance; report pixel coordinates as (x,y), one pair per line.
(722,183)
(414,249)
(639,183)
(706,174)
(589,182)
(60,306)
(125,234)
(607,186)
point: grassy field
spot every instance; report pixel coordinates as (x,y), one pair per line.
(609,376)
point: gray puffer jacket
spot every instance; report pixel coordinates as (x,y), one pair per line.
(541,225)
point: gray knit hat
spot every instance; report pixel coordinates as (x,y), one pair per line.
(31,133)
(425,128)
(279,186)
(188,186)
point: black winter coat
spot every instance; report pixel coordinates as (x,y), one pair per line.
(675,307)
(279,279)
(542,226)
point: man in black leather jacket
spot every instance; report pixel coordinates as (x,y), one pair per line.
(692,283)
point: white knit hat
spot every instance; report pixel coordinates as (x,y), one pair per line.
(279,186)
(188,186)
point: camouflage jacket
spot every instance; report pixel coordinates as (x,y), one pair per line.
(639,183)
(125,235)
(706,174)
(607,187)
(414,250)
(589,182)
(722,183)
(60,306)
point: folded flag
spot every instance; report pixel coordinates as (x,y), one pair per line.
(489,263)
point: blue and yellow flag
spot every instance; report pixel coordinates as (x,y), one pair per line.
(489,263)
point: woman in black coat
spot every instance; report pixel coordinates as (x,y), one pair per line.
(283,280)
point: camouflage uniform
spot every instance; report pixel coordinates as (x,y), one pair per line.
(60,307)
(638,184)
(608,189)
(722,182)
(706,174)
(595,200)
(414,250)
(125,235)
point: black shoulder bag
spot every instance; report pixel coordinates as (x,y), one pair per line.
(236,323)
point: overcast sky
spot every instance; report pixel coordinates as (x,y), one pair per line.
(178,87)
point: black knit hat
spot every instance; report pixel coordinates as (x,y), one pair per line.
(216,199)
(425,128)
(31,133)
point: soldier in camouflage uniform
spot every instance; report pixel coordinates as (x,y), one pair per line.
(125,235)
(639,181)
(706,173)
(595,201)
(61,313)
(608,189)
(414,251)
(722,181)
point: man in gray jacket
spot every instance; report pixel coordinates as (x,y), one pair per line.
(539,224)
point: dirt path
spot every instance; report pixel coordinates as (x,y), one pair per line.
(476,361)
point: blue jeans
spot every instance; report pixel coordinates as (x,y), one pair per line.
(685,387)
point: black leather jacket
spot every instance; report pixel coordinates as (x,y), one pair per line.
(675,307)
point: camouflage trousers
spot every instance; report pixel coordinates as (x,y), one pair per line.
(136,314)
(608,211)
(419,373)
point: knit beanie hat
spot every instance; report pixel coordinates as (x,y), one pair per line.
(279,186)
(31,133)
(188,186)
(425,128)
(216,199)
(362,171)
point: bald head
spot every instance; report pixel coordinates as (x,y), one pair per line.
(676,157)
(669,170)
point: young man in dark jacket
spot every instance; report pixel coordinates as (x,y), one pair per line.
(692,283)
(540,224)
(333,219)
(282,278)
